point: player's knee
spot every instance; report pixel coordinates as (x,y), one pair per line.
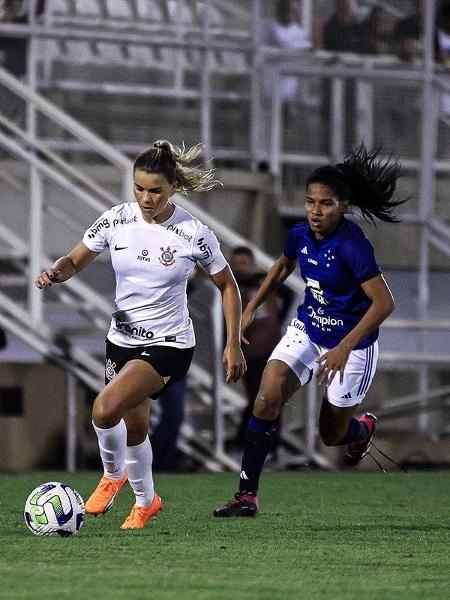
(329,436)
(104,411)
(267,406)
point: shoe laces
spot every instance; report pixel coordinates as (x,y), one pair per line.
(106,486)
(385,456)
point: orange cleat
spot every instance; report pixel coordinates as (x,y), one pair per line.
(139,515)
(102,498)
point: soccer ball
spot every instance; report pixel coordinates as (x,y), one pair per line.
(54,508)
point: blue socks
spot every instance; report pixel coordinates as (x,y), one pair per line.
(356,432)
(258,442)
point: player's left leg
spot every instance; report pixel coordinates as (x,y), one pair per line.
(127,391)
(338,425)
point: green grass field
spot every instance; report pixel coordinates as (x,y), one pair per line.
(319,536)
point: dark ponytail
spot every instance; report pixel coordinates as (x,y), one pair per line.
(366,181)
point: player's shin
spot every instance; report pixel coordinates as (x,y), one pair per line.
(138,463)
(258,442)
(112,444)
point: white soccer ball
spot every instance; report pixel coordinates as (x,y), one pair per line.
(54,508)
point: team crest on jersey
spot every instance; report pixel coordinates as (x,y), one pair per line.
(110,369)
(167,258)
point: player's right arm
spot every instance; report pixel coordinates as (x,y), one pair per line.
(67,266)
(277,274)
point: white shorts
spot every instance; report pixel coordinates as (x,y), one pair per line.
(299,352)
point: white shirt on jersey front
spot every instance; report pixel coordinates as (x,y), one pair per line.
(152,264)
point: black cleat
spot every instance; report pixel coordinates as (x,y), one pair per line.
(356,451)
(243,505)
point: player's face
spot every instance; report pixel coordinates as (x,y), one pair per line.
(323,209)
(152,192)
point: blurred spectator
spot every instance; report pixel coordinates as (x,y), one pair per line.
(263,334)
(15,48)
(374,33)
(407,34)
(443,35)
(442,47)
(342,33)
(165,436)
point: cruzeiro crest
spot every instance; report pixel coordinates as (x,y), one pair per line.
(167,258)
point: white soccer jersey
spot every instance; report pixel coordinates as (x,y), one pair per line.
(152,263)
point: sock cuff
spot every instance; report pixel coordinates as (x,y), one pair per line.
(117,427)
(261,425)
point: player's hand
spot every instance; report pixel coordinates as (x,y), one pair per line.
(48,278)
(234,363)
(331,362)
(246,320)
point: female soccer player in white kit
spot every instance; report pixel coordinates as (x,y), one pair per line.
(154,246)
(335,333)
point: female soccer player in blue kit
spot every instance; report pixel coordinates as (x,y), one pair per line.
(335,334)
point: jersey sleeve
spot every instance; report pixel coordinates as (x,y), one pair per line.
(207,251)
(96,237)
(359,254)
(291,245)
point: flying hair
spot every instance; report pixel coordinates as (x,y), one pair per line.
(366,181)
(172,161)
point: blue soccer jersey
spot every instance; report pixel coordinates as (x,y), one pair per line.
(333,269)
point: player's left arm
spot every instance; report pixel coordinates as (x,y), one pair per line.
(233,359)
(377,290)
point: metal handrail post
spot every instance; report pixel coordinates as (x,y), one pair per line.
(205,103)
(35,297)
(218,381)
(427,188)
(255,87)
(71,422)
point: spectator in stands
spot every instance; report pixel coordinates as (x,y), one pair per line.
(342,32)
(15,48)
(263,334)
(374,33)
(442,48)
(284,32)
(154,245)
(407,34)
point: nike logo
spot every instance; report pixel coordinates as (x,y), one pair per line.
(145,353)
(116,247)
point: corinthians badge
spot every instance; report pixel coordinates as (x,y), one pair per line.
(167,258)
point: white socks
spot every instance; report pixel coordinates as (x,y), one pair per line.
(112,443)
(118,459)
(138,461)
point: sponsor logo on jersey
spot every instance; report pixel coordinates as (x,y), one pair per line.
(312,261)
(124,221)
(105,224)
(304,250)
(324,320)
(167,258)
(316,290)
(110,369)
(138,332)
(298,325)
(180,232)
(144,256)
(204,248)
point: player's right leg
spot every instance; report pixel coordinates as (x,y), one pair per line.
(129,389)
(278,384)
(291,365)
